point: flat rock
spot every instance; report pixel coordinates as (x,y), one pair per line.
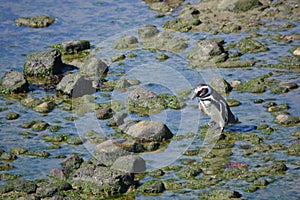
(40,21)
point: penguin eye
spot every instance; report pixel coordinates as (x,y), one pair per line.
(203,92)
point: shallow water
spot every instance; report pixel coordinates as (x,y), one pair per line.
(102,23)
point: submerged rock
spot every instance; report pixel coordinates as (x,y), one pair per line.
(149,130)
(75,46)
(148,31)
(127,42)
(13,82)
(248,45)
(75,85)
(45,63)
(40,21)
(286,119)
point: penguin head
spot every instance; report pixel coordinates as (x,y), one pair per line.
(202,91)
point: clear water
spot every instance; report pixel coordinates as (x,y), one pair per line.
(102,23)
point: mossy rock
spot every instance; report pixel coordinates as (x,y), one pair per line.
(294,149)
(25,186)
(256,85)
(248,45)
(17,150)
(40,154)
(8,156)
(190,171)
(56,138)
(12,116)
(40,21)
(39,125)
(152,186)
(75,141)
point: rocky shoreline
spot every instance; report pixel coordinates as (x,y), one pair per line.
(74,74)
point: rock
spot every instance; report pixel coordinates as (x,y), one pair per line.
(296,52)
(166,41)
(75,85)
(275,168)
(129,164)
(148,31)
(152,186)
(118,119)
(72,162)
(93,66)
(44,107)
(104,113)
(94,137)
(31,102)
(294,149)
(220,85)
(248,45)
(256,85)
(45,191)
(207,50)
(225,194)
(13,82)
(75,46)
(127,42)
(233,102)
(118,58)
(160,7)
(75,141)
(12,116)
(149,130)
(102,180)
(39,125)
(17,150)
(45,63)
(41,154)
(239,5)
(40,21)
(235,83)
(7,156)
(145,102)
(187,19)
(25,186)
(289,85)
(162,57)
(58,174)
(286,119)
(124,83)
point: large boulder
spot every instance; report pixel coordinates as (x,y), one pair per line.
(14,82)
(145,102)
(148,130)
(75,85)
(238,5)
(208,50)
(43,63)
(220,85)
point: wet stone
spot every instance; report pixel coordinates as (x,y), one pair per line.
(225,194)
(13,82)
(148,31)
(126,42)
(39,126)
(104,113)
(294,149)
(72,162)
(75,46)
(220,85)
(12,116)
(17,150)
(75,141)
(286,119)
(7,156)
(248,45)
(93,66)
(40,21)
(152,186)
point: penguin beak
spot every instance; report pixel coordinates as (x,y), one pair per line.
(194,96)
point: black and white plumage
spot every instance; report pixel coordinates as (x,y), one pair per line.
(214,105)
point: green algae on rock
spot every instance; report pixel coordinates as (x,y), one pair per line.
(248,45)
(40,21)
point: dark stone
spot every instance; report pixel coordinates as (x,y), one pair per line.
(12,116)
(225,194)
(75,85)
(104,113)
(152,186)
(58,173)
(8,156)
(40,21)
(129,164)
(72,162)
(14,82)
(239,5)
(75,46)
(45,63)
(45,191)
